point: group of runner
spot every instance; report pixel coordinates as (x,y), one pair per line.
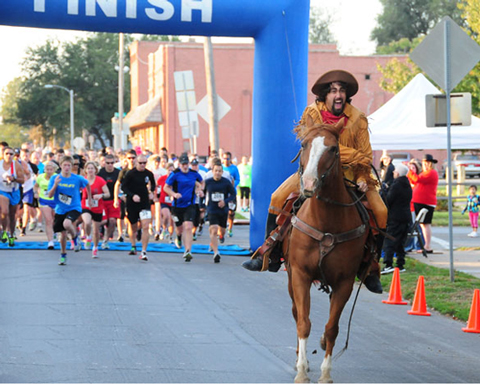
(179,198)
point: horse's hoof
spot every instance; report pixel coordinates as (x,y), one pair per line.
(323,343)
(301,378)
(326,380)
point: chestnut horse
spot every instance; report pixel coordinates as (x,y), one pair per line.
(326,242)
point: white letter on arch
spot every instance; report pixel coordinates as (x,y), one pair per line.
(167,7)
(205,6)
(109,7)
(39,6)
(72,7)
(131,9)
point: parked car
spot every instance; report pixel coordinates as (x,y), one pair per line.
(471,162)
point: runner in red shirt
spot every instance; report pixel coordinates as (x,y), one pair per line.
(166,206)
(93,213)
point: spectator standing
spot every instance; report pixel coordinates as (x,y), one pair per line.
(473,206)
(110,174)
(65,188)
(182,185)
(425,195)
(92,211)
(399,196)
(387,168)
(46,203)
(245,185)
(139,187)
(11,178)
(219,192)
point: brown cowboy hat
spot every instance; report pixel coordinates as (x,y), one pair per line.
(336,75)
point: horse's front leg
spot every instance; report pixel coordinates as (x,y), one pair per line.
(300,285)
(339,298)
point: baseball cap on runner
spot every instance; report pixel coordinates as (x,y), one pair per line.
(183,159)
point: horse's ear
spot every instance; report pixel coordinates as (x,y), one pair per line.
(339,126)
(309,122)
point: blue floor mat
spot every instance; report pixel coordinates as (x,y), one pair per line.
(233,249)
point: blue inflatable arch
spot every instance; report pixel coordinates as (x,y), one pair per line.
(280,30)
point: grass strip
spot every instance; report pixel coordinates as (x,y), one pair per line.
(452,299)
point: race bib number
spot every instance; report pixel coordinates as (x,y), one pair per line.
(168,199)
(94,203)
(159,190)
(232,206)
(217,196)
(65,199)
(145,214)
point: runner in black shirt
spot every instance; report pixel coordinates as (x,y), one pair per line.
(139,186)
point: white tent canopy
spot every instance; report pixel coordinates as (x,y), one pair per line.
(401,123)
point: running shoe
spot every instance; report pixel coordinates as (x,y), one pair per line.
(33,225)
(133,251)
(105,245)
(94,253)
(50,245)
(88,243)
(230,233)
(216,258)
(157,237)
(4,237)
(23,232)
(187,256)
(178,243)
(40,228)
(200,230)
(120,239)
(76,244)
(195,236)
(143,256)
(11,241)
(161,236)
(63,259)
(221,239)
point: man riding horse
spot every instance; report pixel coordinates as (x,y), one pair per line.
(334,91)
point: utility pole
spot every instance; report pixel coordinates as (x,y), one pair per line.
(121,82)
(212,94)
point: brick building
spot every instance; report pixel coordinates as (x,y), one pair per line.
(153,116)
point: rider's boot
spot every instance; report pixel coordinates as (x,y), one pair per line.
(372,281)
(256,262)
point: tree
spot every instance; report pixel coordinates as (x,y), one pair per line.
(397,73)
(319,31)
(412,18)
(86,66)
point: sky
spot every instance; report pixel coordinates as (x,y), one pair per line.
(353,21)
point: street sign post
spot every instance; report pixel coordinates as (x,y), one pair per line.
(434,55)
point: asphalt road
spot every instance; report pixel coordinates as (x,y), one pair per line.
(117,319)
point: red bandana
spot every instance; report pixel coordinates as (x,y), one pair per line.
(330,118)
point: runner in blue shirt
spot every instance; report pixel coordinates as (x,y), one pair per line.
(182,185)
(65,189)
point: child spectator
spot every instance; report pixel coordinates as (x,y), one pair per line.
(473,202)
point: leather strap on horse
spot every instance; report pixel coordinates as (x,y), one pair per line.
(327,240)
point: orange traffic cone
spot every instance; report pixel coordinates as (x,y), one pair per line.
(395,296)
(473,325)
(419,306)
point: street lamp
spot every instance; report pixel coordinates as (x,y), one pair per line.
(70,91)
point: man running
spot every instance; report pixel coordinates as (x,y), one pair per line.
(182,185)
(65,188)
(219,192)
(139,187)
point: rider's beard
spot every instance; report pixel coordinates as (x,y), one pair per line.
(338,111)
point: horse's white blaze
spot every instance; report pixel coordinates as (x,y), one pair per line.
(302,362)
(318,147)
(326,368)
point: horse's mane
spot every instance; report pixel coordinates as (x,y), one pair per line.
(307,132)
